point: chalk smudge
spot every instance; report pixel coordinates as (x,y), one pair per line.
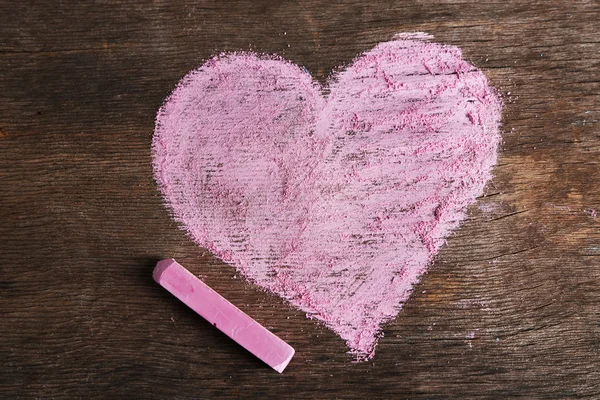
(337,202)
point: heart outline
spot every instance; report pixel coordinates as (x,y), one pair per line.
(301,254)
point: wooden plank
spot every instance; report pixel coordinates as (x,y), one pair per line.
(510,307)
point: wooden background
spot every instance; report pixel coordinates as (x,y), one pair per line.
(511,307)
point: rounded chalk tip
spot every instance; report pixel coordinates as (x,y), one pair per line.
(280,367)
(161,267)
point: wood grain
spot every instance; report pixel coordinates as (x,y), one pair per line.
(510,308)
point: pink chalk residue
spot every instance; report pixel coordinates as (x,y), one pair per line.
(337,202)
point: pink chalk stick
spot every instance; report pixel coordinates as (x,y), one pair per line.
(223,315)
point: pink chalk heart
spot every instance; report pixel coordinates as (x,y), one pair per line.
(337,197)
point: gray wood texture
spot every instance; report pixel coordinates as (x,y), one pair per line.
(510,308)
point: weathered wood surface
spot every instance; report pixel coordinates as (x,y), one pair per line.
(511,307)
